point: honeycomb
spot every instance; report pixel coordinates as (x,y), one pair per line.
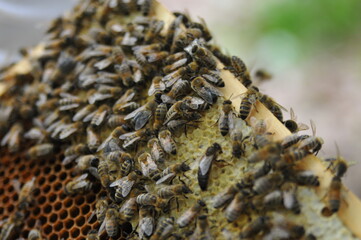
(58,215)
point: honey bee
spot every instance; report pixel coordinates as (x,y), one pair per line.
(146,199)
(178,110)
(334,194)
(237,206)
(283,229)
(203,56)
(205,165)
(267,152)
(175,61)
(40,150)
(173,27)
(268,183)
(148,167)
(82,113)
(93,139)
(236,135)
(224,58)
(146,222)
(226,117)
(166,141)
(25,193)
(100,115)
(92,235)
(183,38)
(125,108)
(212,77)
(129,209)
(181,72)
(159,116)
(125,184)
(11,225)
(140,52)
(34,234)
(125,73)
(116,120)
(164,229)
(273,106)
(129,139)
(69,102)
(111,221)
(248,101)
(338,165)
(261,223)
(173,190)
(157,56)
(72,152)
(205,90)
(261,136)
(189,215)
(290,200)
(292,124)
(226,197)
(196,103)
(202,229)
(312,143)
(157,87)
(291,140)
(116,56)
(262,171)
(262,75)
(146,7)
(306,178)
(141,115)
(156,151)
(13,138)
(101,207)
(179,88)
(239,70)
(127,164)
(78,186)
(65,131)
(271,201)
(294,155)
(103,173)
(113,138)
(170,172)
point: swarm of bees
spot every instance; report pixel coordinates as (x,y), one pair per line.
(113,97)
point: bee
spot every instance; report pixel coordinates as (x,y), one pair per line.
(226,117)
(157,87)
(268,183)
(129,139)
(116,120)
(166,141)
(306,178)
(92,235)
(127,164)
(125,108)
(153,31)
(67,130)
(125,184)
(239,70)
(226,196)
(290,200)
(156,56)
(156,151)
(78,186)
(170,172)
(141,115)
(173,27)
(294,155)
(212,77)
(248,101)
(237,206)
(224,58)
(116,56)
(146,199)
(129,209)
(103,173)
(185,37)
(260,134)
(72,152)
(100,115)
(182,72)
(205,165)
(146,222)
(125,73)
(179,88)
(13,138)
(189,215)
(196,103)
(148,167)
(312,143)
(283,229)
(271,201)
(262,171)
(11,225)
(205,90)
(40,150)
(25,193)
(273,106)
(159,116)
(101,207)
(266,152)
(173,190)
(146,7)
(203,56)
(262,75)
(202,229)
(93,139)
(175,61)
(338,165)
(69,102)
(291,140)
(113,138)
(111,221)
(164,229)
(292,124)
(236,135)
(82,113)
(261,223)
(178,110)
(334,194)
(34,234)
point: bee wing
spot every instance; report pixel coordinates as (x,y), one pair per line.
(146,226)
(101,117)
(165,178)
(91,216)
(101,228)
(171,82)
(118,182)
(103,63)
(104,143)
(98,97)
(68,131)
(128,96)
(93,171)
(207,92)
(90,116)
(127,144)
(67,95)
(205,164)
(127,187)
(302,127)
(82,177)
(80,114)
(68,159)
(126,135)
(5,139)
(134,113)
(152,88)
(293,115)
(141,119)
(17,185)
(288,199)
(196,102)
(179,64)
(69,106)
(87,80)
(80,184)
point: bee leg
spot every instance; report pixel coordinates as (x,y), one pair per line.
(184,175)
(177,203)
(221,163)
(181,181)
